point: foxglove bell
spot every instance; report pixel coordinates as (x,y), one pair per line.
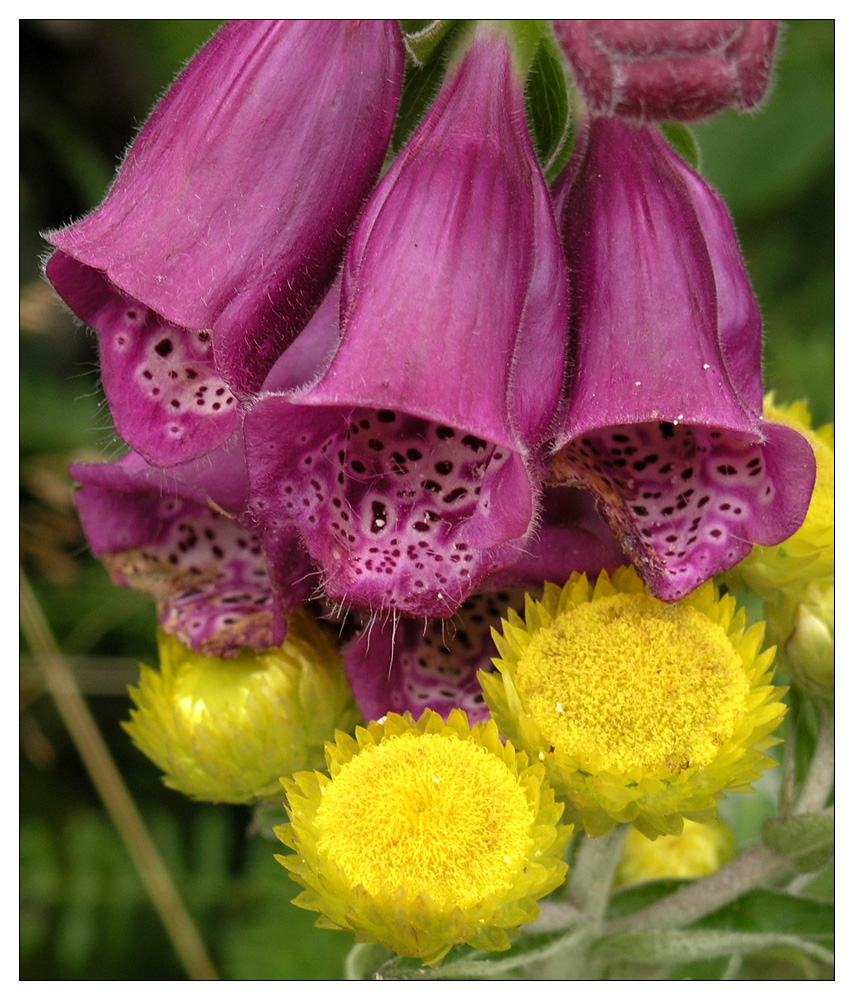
(188,542)
(659,69)
(663,419)
(227,222)
(409,466)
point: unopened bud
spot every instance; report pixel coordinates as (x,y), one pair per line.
(651,70)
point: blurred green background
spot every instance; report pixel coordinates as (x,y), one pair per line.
(86,87)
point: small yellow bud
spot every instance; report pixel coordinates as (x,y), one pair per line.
(701,849)
(810,648)
(227,730)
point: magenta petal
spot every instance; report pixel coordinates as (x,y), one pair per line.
(408,466)
(571,537)
(411,665)
(229,217)
(663,416)
(662,69)
(170,538)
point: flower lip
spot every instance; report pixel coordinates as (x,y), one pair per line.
(408,801)
(643,712)
(400,514)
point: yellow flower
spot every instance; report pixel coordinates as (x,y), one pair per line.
(227,730)
(643,712)
(427,834)
(699,850)
(807,557)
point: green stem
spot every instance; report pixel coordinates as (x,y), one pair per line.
(819,781)
(593,873)
(698,899)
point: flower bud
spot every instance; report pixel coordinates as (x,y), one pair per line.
(651,70)
(228,730)
(810,647)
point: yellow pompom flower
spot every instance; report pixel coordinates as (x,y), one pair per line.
(227,730)
(643,712)
(807,558)
(425,835)
(701,849)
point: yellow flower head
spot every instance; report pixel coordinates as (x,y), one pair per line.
(227,730)
(807,558)
(427,834)
(643,712)
(699,850)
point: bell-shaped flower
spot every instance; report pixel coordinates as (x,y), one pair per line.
(188,542)
(663,417)
(227,221)
(649,70)
(409,665)
(409,465)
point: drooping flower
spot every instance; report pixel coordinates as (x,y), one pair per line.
(427,835)
(409,465)
(227,222)
(185,534)
(227,730)
(663,419)
(701,849)
(186,541)
(409,665)
(662,69)
(643,712)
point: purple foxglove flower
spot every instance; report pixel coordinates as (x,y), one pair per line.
(186,540)
(409,665)
(408,466)
(227,221)
(650,70)
(663,419)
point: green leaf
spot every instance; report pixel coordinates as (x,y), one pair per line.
(422,38)
(548,110)
(806,839)
(772,911)
(683,141)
